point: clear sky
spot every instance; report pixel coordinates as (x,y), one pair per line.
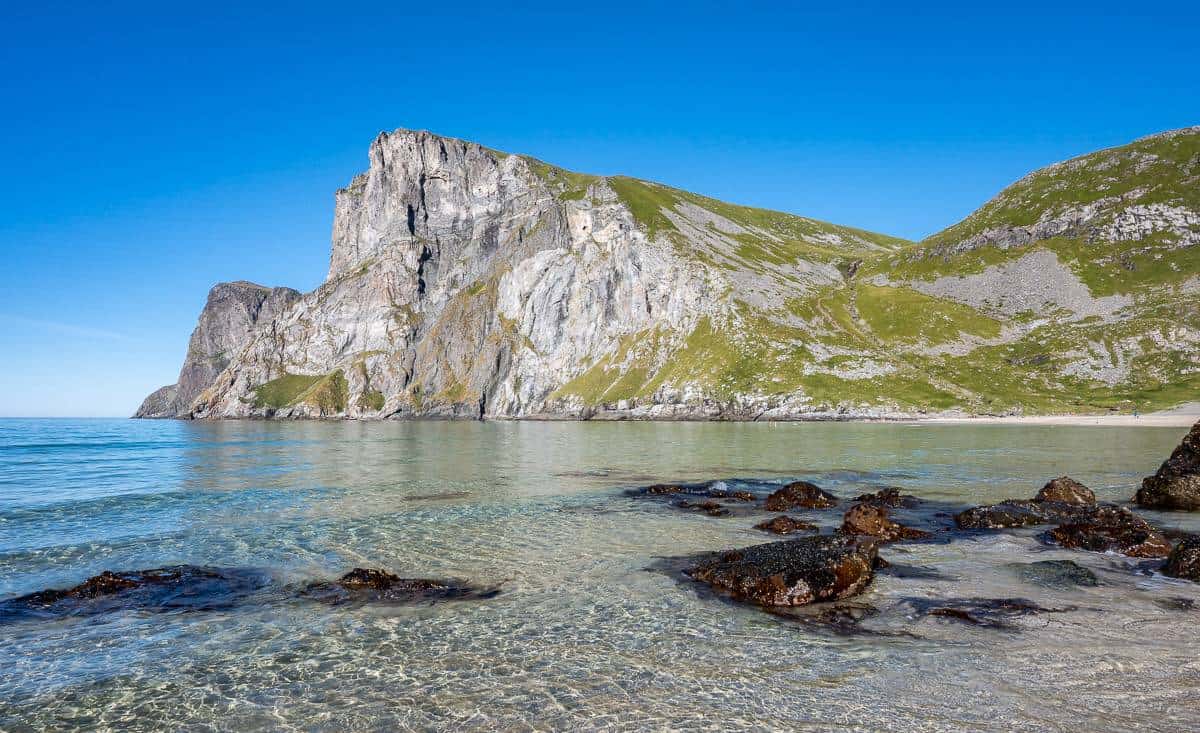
(149,152)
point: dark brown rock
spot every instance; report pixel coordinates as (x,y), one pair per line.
(889,496)
(661,489)
(1022,513)
(371,585)
(1184,561)
(988,612)
(784,524)
(873,520)
(179,587)
(711,508)
(799,495)
(733,495)
(1112,529)
(1012,513)
(793,572)
(1176,485)
(1066,490)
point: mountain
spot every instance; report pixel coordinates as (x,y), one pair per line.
(466,282)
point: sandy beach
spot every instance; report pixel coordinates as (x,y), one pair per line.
(1182,416)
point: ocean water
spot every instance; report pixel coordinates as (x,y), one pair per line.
(594,628)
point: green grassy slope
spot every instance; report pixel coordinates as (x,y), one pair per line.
(876,340)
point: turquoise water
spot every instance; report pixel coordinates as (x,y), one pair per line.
(590,632)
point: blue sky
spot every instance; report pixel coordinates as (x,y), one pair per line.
(150,152)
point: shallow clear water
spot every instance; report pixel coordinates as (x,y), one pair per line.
(591,632)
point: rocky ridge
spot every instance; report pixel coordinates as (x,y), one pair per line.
(470,283)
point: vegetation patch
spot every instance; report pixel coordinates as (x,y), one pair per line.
(371,400)
(283,391)
(903,314)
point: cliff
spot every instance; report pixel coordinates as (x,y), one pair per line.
(465,282)
(230,315)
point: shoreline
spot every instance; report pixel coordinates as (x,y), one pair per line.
(1183,417)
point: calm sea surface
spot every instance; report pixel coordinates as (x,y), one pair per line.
(590,632)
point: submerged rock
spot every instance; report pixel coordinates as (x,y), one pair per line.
(1012,513)
(872,520)
(888,496)
(784,524)
(711,508)
(1055,574)
(1066,490)
(844,619)
(1061,500)
(1110,528)
(179,587)
(793,572)
(800,495)
(371,585)
(1184,561)
(1176,485)
(989,612)
(665,489)
(1021,513)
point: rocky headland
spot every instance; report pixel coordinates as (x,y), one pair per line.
(465,282)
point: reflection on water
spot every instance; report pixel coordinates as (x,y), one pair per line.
(586,633)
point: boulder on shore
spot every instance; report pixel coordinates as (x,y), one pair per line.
(1176,485)
(1184,561)
(1066,490)
(800,495)
(792,572)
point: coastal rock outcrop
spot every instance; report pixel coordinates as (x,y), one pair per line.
(1176,485)
(227,323)
(792,572)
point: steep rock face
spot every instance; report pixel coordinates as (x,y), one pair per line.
(462,283)
(465,282)
(230,315)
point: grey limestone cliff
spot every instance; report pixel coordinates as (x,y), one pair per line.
(230,315)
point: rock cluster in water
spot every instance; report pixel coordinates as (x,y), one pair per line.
(198,588)
(822,568)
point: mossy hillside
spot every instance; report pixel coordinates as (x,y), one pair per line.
(566,185)
(329,393)
(283,391)
(771,237)
(1107,268)
(1158,169)
(905,315)
(750,352)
